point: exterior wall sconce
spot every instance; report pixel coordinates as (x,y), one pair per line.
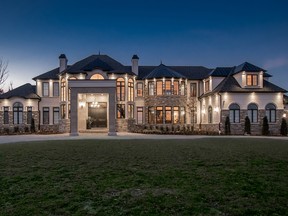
(81,104)
(216,109)
(284,115)
(203,111)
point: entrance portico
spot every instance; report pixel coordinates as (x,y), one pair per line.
(93,103)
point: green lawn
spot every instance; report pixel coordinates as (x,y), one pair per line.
(145,177)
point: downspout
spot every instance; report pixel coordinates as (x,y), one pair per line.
(39,114)
(220,117)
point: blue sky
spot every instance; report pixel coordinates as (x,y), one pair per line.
(209,33)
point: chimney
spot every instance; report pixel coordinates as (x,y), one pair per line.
(134,61)
(62,62)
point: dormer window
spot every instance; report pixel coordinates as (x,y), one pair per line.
(252,80)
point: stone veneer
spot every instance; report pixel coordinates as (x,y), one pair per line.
(11,126)
(256,128)
(64,125)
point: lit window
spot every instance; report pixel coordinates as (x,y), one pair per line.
(176,88)
(193,90)
(151,88)
(168,115)
(130,90)
(139,115)
(139,89)
(120,111)
(63,89)
(182,88)
(168,87)
(176,115)
(120,89)
(130,110)
(159,115)
(159,88)
(151,115)
(97,77)
(251,79)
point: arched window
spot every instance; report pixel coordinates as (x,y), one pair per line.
(72,78)
(234,113)
(17,113)
(210,114)
(253,112)
(63,89)
(120,89)
(97,77)
(271,112)
(130,90)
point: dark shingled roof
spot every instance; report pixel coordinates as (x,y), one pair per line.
(26,91)
(246,66)
(53,74)
(163,71)
(230,84)
(103,62)
(221,71)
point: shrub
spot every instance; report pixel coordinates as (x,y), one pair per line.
(265,126)
(247,129)
(16,129)
(283,129)
(227,126)
(32,126)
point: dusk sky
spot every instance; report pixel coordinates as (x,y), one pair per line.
(207,33)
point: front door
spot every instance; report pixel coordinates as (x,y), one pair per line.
(97,114)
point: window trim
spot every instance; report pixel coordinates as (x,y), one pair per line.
(56,94)
(45,110)
(43,89)
(252,76)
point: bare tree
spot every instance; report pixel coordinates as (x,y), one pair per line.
(3,73)
(10,86)
(192,109)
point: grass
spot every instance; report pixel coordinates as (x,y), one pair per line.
(145,177)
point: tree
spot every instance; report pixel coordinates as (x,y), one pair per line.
(283,130)
(192,108)
(247,129)
(3,73)
(265,126)
(227,126)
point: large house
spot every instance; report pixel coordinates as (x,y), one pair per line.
(100,93)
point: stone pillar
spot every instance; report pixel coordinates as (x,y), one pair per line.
(74,113)
(112,115)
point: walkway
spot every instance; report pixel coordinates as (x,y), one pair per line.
(121,135)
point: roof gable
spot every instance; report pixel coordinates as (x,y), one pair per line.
(248,67)
(26,91)
(163,71)
(53,74)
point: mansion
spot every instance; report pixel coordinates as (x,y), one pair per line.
(99,93)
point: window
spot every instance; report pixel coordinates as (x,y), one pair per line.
(182,116)
(139,115)
(168,87)
(251,79)
(151,115)
(120,89)
(130,111)
(193,90)
(193,115)
(120,111)
(29,115)
(176,88)
(159,88)
(139,89)
(55,89)
(45,89)
(63,89)
(17,113)
(6,115)
(130,90)
(176,115)
(271,112)
(253,112)
(182,88)
(45,115)
(168,115)
(207,86)
(210,114)
(55,115)
(159,115)
(97,77)
(234,112)
(63,111)
(151,88)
